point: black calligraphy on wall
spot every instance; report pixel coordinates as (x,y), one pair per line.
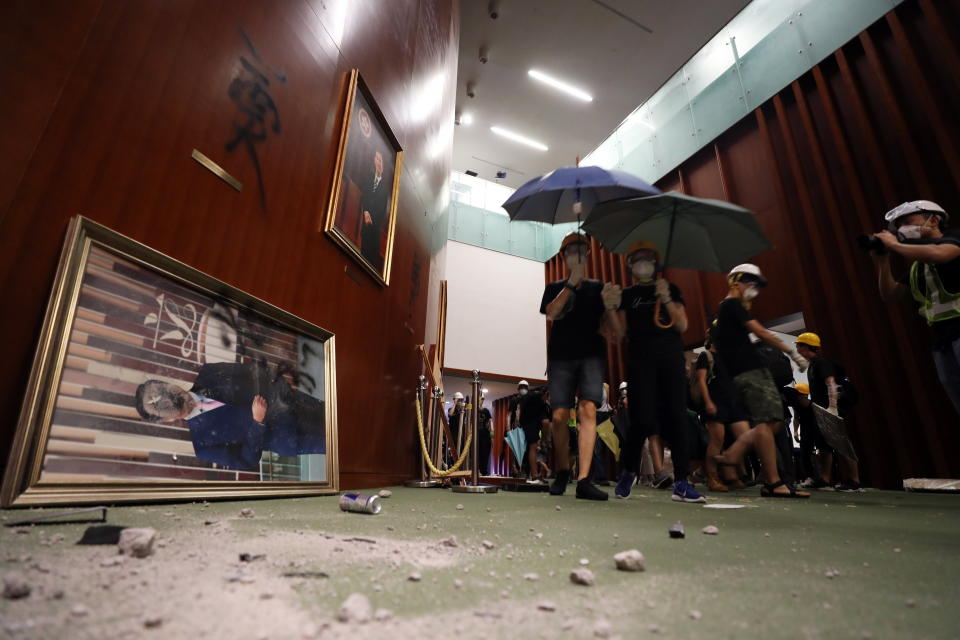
(258,115)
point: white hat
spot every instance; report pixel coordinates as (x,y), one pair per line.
(623,385)
(747,269)
(914,206)
(523,383)
(458,396)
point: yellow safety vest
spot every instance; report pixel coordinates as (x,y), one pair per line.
(936,303)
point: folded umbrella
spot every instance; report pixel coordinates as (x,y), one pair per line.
(605,432)
(517,440)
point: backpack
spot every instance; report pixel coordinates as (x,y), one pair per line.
(847,394)
(778,363)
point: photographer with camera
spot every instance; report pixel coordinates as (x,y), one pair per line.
(916,231)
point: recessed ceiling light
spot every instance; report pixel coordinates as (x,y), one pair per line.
(516,137)
(560,85)
(466,119)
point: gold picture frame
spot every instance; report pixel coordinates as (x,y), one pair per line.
(107,416)
(361,209)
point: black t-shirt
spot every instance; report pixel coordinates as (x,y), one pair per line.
(643,335)
(719,384)
(533,410)
(575,334)
(821,369)
(484,418)
(804,414)
(733,339)
(945,331)
(514,403)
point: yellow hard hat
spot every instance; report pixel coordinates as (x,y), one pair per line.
(802,387)
(809,339)
(643,245)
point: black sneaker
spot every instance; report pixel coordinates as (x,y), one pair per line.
(587,491)
(560,483)
(662,480)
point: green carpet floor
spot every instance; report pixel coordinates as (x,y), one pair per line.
(769,572)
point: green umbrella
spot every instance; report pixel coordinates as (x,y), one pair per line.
(694,233)
(517,440)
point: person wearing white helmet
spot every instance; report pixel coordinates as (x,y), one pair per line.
(917,231)
(752,381)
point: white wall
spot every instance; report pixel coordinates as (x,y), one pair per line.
(494,322)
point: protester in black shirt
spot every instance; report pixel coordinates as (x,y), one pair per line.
(718,406)
(655,319)
(523,388)
(824,378)
(484,437)
(576,358)
(752,380)
(933,279)
(533,418)
(809,436)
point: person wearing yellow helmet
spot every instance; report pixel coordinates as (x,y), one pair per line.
(578,308)
(917,231)
(753,382)
(824,376)
(655,319)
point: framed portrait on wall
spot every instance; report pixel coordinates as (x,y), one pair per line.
(154,381)
(361,210)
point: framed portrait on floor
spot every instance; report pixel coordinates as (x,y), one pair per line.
(361,209)
(154,381)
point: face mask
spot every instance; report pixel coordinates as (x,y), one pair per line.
(750,293)
(522,392)
(643,269)
(910,231)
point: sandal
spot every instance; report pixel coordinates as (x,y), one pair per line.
(767,491)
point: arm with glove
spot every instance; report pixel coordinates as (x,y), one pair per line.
(678,313)
(761,332)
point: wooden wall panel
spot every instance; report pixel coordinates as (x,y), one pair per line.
(820,163)
(131,88)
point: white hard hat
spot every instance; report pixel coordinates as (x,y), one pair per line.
(914,206)
(523,383)
(458,396)
(623,385)
(751,271)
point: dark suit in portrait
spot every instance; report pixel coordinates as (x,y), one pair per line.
(376,197)
(229,436)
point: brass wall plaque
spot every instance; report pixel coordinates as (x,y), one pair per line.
(217,170)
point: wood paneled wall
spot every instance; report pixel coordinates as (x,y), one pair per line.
(871,126)
(107,98)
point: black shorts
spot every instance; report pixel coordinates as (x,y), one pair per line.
(531,433)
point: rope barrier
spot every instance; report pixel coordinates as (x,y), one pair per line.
(423,446)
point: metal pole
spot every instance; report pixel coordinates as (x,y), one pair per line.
(475,486)
(438,453)
(426,412)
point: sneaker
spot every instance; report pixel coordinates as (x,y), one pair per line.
(586,491)
(622,490)
(819,484)
(560,483)
(683,491)
(662,480)
(849,487)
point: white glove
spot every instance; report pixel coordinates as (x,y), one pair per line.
(663,290)
(576,274)
(833,410)
(802,363)
(611,295)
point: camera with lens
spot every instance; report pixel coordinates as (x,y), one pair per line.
(870,243)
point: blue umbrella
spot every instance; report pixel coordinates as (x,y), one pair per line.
(550,197)
(517,440)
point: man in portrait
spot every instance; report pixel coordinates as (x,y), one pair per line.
(374,204)
(236,412)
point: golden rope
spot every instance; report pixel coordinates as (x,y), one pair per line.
(423,445)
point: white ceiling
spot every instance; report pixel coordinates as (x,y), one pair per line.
(619,60)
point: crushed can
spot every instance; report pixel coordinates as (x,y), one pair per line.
(359,503)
